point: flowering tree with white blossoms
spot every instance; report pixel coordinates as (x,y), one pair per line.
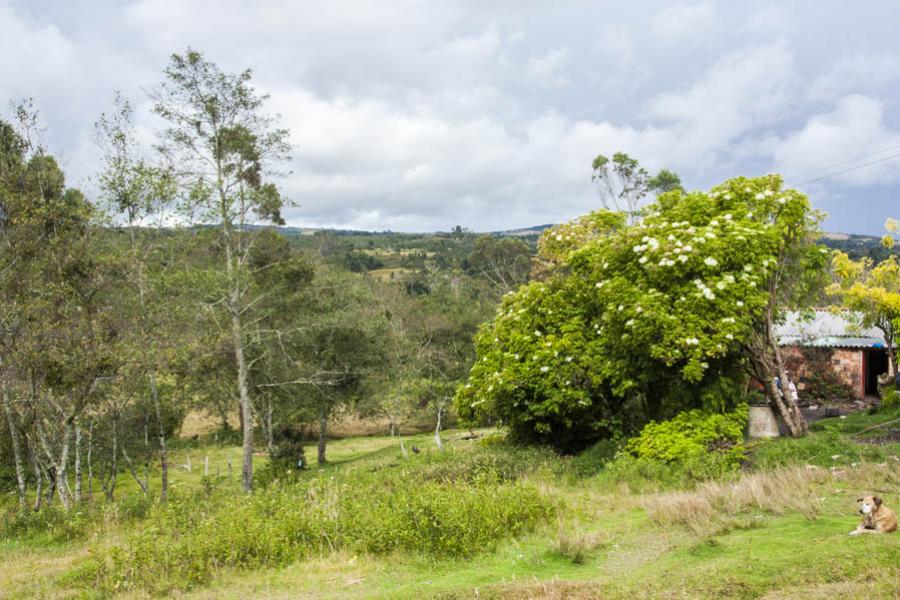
(639,322)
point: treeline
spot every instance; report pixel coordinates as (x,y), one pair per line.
(167,293)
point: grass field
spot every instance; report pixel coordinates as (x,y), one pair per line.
(777,530)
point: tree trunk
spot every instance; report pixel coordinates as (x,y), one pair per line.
(785,404)
(323,435)
(38,486)
(163,453)
(892,362)
(796,423)
(17,451)
(110,486)
(62,481)
(270,435)
(393,425)
(38,476)
(77,464)
(90,464)
(134,475)
(51,488)
(58,467)
(246,408)
(437,429)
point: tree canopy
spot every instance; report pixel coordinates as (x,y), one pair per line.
(642,321)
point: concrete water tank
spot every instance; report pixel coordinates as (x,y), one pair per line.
(762,423)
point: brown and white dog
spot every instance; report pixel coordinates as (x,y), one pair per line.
(877,518)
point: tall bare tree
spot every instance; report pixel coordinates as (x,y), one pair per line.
(224,146)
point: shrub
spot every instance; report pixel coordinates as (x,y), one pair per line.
(51,521)
(890,399)
(185,541)
(690,435)
(694,446)
(591,461)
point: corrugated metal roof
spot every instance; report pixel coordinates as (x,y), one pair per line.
(828,329)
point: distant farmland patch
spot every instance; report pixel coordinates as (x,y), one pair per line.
(391,273)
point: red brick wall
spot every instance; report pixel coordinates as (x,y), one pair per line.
(847,364)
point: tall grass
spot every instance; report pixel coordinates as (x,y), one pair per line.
(434,510)
(713,506)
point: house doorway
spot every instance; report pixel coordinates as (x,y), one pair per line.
(876,364)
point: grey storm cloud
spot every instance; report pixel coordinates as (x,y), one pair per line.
(420,115)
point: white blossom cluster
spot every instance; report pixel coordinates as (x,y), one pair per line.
(704,290)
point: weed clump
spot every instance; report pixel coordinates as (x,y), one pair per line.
(577,548)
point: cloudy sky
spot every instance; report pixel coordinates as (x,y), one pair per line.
(418,115)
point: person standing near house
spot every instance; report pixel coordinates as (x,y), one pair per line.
(792,388)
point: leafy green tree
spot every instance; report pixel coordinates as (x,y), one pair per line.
(139,194)
(648,319)
(224,147)
(329,344)
(58,338)
(664,181)
(284,275)
(872,291)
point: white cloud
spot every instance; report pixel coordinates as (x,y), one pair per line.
(419,114)
(850,136)
(618,43)
(685,21)
(860,73)
(772,19)
(743,90)
(546,70)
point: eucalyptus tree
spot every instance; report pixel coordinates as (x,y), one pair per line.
(224,147)
(623,183)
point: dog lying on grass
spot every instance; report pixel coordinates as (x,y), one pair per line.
(877,518)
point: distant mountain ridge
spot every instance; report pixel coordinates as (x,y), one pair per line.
(534,230)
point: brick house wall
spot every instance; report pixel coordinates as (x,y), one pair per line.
(847,363)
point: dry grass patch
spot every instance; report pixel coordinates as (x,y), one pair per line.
(884,583)
(713,506)
(544,590)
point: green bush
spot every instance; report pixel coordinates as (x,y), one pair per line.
(890,399)
(690,435)
(694,446)
(185,541)
(51,521)
(594,459)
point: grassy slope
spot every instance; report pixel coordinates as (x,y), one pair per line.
(627,555)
